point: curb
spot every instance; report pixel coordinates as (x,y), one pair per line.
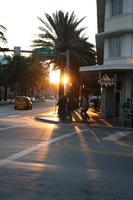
(46,120)
(79,123)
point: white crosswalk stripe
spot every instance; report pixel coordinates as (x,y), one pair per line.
(117,136)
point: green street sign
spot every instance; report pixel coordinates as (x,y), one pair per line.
(46,52)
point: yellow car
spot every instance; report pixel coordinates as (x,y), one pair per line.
(22,103)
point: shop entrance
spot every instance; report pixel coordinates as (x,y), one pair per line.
(118,103)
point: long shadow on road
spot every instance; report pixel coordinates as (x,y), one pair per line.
(67,167)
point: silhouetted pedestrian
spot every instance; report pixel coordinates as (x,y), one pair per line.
(62,107)
(96,104)
(68,108)
(84,108)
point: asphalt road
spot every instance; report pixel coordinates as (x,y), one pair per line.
(53,162)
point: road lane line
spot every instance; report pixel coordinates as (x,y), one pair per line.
(117,136)
(8,113)
(10,127)
(16,156)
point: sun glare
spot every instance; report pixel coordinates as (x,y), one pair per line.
(55,76)
(65,79)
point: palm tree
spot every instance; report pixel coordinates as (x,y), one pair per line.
(4,40)
(23,74)
(2,36)
(61,31)
(15,72)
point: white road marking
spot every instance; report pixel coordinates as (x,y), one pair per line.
(10,127)
(16,156)
(8,113)
(117,136)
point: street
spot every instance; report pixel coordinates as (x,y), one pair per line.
(62,161)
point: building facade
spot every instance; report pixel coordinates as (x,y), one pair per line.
(115,55)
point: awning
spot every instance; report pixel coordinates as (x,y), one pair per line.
(114,33)
(121,67)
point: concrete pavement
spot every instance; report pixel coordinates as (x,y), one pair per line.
(95,119)
(43,161)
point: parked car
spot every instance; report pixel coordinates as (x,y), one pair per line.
(22,103)
(52,97)
(42,99)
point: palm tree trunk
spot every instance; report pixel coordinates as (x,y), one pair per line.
(5,94)
(61,85)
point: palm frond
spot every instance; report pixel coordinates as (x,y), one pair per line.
(61,31)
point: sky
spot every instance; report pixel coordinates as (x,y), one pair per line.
(20,18)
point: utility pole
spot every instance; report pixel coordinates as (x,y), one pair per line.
(67,85)
(115,89)
(66,89)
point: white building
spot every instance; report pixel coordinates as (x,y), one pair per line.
(115,54)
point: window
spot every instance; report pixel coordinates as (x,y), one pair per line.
(116,7)
(115,47)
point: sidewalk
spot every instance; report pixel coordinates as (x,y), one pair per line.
(95,119)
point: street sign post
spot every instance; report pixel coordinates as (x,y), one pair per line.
(45,52)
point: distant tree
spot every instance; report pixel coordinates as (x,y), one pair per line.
(23,74)
(39,75)
(3,79)
(2,40)
(61,31)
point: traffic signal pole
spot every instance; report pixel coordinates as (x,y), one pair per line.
(12,50)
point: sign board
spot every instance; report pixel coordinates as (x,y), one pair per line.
(45,52)
(105,80)
(17,51)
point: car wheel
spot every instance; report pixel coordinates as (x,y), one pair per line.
(15,107)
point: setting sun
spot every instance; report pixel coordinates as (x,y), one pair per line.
(65,79)
(55,76)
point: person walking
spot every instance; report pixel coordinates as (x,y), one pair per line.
(96,104)
(62,107)
(84,108)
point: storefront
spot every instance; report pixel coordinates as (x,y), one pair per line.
(116,85)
